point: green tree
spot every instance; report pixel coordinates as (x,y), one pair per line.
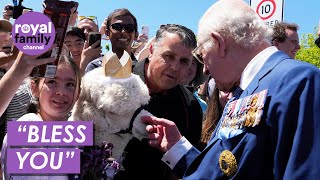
(309,52)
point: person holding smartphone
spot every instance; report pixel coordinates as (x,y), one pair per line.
(79,48)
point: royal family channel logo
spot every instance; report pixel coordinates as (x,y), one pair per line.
(33,33)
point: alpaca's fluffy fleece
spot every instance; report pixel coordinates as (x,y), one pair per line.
(110,103)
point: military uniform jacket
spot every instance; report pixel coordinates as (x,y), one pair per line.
(286,142)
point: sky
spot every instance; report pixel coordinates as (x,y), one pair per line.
(154,13)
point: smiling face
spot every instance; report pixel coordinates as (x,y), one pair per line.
(121,40)
(57,95)
(291,44)
(75,46)
(169,63)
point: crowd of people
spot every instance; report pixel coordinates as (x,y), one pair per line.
(211,118)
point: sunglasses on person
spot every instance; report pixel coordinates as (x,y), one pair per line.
(76,44)
(119,27)
(92,18)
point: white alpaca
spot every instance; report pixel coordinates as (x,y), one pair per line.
(110,103)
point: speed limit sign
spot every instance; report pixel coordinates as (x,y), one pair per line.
(266,9)
(270,11)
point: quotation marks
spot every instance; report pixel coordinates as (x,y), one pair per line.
(24,128)
(68,154)
(54,146)
(48,158)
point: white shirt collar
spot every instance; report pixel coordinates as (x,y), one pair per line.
(254,66)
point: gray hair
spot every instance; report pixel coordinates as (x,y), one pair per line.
(187,36)
(235,20)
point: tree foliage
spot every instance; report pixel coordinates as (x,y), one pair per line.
(309,52)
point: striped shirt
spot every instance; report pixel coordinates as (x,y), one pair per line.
(20,102)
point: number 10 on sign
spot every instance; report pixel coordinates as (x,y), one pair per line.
(268,10)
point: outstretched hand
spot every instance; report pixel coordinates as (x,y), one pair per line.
(103,29)
(162,133)
(21,69)
(25,63)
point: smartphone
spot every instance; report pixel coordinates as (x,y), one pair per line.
(145,30)
(94,37)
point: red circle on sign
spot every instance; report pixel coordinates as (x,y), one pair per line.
(274,9)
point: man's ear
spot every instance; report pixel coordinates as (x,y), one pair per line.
(221,42)
(275,42)
(151,51)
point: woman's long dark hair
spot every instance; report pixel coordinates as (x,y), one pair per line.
(213,115)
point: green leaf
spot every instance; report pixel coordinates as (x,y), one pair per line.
(309,52)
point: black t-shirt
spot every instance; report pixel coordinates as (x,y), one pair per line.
(178,105)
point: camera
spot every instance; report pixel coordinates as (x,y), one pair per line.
(17,9)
